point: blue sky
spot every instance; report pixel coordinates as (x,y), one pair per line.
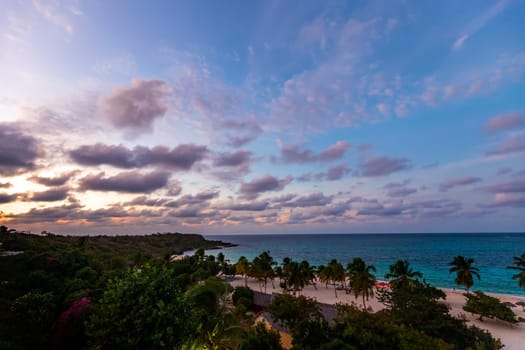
(253,117)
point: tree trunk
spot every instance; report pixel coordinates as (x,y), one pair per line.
(246,280)
(364,305)
(335,290)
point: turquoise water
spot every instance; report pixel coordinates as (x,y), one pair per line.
(427,253)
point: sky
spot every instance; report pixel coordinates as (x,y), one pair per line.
(262,116)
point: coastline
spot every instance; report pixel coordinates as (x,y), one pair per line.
(512,336)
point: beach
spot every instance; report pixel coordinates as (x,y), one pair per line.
(512,336)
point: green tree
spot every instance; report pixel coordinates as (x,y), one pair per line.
(261,338)
(519,265)
(487,306)
(464,271)
(243,268)
(262,268)
(402,273)
(361,278)
(336,273)
(34,314)
(143,309)
(291,310)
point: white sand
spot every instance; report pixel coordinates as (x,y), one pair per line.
(512,336)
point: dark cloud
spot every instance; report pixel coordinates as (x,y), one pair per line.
(5,185)
(250,206)
(514,186)
(18,152)
(381,211)
(136,107)
(505,122)
(201,199)
(510,146)
(382,165)
(336,172)
(7,198)
(294,154)
(52,195)
(311,200)
(397,184)
(263,184)
(147,201)
(48,214)
(401,192)
(337,209)
(131,182)
(459,181)
(232,159)
(53,181)
(239,133)
(181,157)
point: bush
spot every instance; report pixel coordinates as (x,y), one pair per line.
(245,294)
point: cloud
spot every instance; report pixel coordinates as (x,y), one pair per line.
(459,181)
(59,180)
(265,183)
(181,157)
(334,173)
(505,121)
(200,199)
(135,108)
(130,182)
(52,11)
(232,159)
(311,200)
(401,192)
(383,165)
(18,152)
(510,146)
(250,206)
(504,171)
(294,154)
(480,22)
(240,133)
(5,185)
(514,186)
(7,198)
(506,200)
(52,195)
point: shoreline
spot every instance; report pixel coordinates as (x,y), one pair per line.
(512,336)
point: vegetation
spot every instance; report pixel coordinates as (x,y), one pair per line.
(464,270)
(74,293)
(361,279)
(401,274)
(519,265)
(487,306)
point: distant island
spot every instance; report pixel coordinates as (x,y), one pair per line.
(155,244)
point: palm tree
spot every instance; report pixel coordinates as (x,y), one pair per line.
(401,273)
(262,268)
(519,264)
(323,275)
(361,278)
(336,273)
(307,273)
(464,271)
(243,267)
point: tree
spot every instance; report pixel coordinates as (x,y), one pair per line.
(243,267)
(291,310)
(261,338)
(487,306)
(262,268)
(402,273)
(361,279)
(143,309)
(519,265)
(464,271)
(335,272)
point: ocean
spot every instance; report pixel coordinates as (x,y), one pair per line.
(427,253)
